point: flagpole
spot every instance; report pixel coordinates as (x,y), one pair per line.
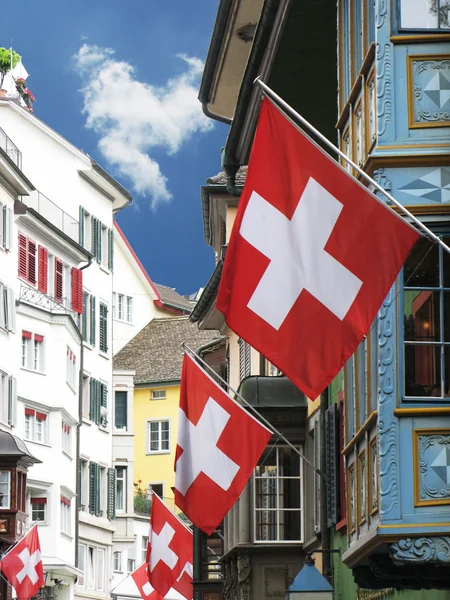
(260,417)
(278,100)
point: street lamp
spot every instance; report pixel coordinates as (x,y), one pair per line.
(310,584)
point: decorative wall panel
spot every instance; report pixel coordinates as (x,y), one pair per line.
(432,466)
(429,91)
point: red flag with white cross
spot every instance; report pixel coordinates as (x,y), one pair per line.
(140,577)
(170,549)
(23,567)
(219,445)
(311,258)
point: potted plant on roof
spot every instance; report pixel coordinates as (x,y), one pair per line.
(21,84)
(28,98)
(8,59)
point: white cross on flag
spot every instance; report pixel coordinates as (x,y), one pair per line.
(23,567)
(219,445)
(169,551)
(311,257)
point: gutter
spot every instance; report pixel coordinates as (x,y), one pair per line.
(78,435)
(217,342)
(212,57)
(230,162)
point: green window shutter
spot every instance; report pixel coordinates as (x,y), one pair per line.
(110,250)
(98,395)
(111,494)
(93,323)
(94,237)
(84,318)
(12,401)
(92,390)
(98,491)
(92,487)
(103,328)
(99,241)
(81,226)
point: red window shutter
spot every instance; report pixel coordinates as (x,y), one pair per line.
(31,262)
(77,290)
(26,334)
(30,412)
(23,271)
(58,280)
(38,338)
(43,269)
(41,416)
(38,500)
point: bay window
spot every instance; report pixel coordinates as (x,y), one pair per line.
(35,425)
(278,496)
(424,15)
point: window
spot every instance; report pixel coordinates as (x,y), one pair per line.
(103,334)
(27,259)
(120,410)
(278,496)
(98,402)
(157,488)
(158,436)
(131,565)
(71,369)
(96,237)
(88,318)
(104,242)
(426,310)
(425,15)
(7,308)
(81,564)
(8,399)
(121,488)
(129,315)
(66,439)
(244,359)
(117,562)
(158,394)
(32,351)
(91,558)
(5,227)
(100,574)
(84,499)
(58,280)
(144,544)
(5,489)
(94,488)
(124,308)
(35,425)
(38,510)
(65,515)
(211,551)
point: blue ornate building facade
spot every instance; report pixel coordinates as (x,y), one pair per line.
(394,396)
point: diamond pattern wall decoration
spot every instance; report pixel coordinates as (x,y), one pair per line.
(432,466)
(434,186)
(429,91)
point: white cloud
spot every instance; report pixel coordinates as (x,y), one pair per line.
(132,117)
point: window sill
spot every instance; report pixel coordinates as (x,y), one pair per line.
(104,355)
(153,452)
(40,523)
(71,387)
(33,371)
(67,454)
(67,536)
(123,321)
(122,432)
(87,345)
(104,269)
(87,421)
(46,444)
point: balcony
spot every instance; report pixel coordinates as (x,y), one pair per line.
(34,297)
(11,149)
(55,215)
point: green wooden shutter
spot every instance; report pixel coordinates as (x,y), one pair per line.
(98,490)
(92,390)
(98,395)
(103,328)
(112,494)
(81,227)
(92,487)
(110,250)
(94,237)
(93,323)
(12,402)
(84,318)
(99,241)
(332,463)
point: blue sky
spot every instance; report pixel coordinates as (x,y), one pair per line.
(120,81)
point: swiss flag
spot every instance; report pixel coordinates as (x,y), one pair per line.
(311,257)
(23,567)
(219,445)
(170,549)
(140,576)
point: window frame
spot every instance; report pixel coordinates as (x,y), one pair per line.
(66,516)
(279,509)
(160,450)
(44,504)
(164,397)
(123,480)
(117,562)
(406,31)
(8,484)
(125,407)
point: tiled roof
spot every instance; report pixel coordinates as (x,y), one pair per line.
(220,178)
(173,299)
(155,353)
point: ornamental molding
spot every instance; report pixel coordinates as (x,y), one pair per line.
(421,550)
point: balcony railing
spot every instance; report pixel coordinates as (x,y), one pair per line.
(48,209)
(48,303)
(11,149)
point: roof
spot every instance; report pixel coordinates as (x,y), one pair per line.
(172,299)
(156,352)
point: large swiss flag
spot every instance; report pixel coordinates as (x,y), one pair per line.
(169,551)
(311,257)
(219,445)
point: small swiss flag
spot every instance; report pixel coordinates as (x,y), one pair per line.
(312,256)
(219,445)
(23,567)
(140,576)
(169,551)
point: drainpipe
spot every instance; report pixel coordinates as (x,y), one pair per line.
(325,532)
(77,440)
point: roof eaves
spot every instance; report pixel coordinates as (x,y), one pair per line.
(113,182)
(16,170)
(208,295)
(220,25)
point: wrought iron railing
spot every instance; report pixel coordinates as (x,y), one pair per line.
(50,211)
(11,149)
(37,298)
(363,594)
